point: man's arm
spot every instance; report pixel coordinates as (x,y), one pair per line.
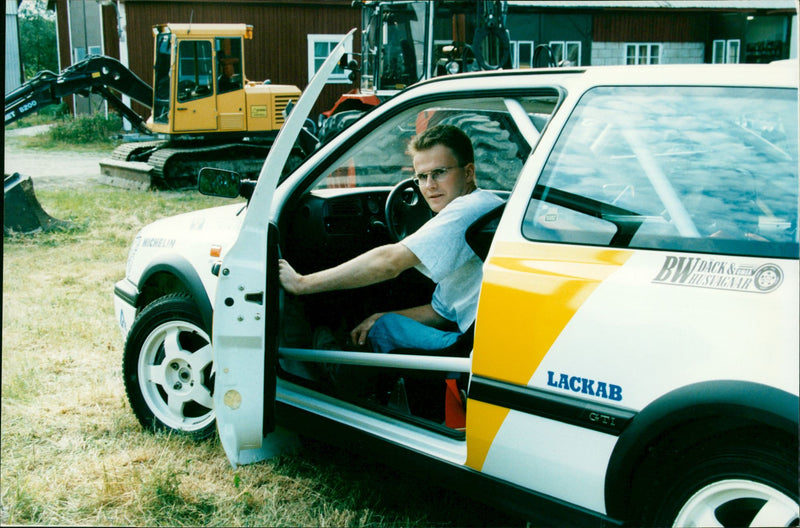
(376,265)
(424,314)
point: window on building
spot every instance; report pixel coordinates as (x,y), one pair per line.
(80,53)
(319,47)
(641,53)
(522,53)
(726,51)
(566,52)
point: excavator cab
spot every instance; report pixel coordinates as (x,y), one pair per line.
(207,68)
(201,87)
(407,41)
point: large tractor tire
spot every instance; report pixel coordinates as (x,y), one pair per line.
(496,156)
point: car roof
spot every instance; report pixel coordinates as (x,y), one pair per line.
(777,74)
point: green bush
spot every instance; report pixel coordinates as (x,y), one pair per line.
(95,132)
(85,129)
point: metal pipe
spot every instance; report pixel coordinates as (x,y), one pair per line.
(405,361)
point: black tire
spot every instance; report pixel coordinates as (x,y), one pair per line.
(497,158)
(167,368)
(750,482)
(336,123)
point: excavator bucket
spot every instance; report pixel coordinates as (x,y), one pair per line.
(22,212)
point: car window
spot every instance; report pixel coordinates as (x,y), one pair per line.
(381,158)
(678,168)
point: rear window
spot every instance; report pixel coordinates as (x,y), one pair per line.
(678,168)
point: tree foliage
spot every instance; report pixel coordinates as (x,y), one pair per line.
(37,37)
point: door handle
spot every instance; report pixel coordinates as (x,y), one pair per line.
(257,298)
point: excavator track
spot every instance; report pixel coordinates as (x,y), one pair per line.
(135,150)
(177,168)
(171,165)
(127,166)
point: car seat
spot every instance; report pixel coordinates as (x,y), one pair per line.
(419,392)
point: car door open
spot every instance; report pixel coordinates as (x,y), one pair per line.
(244,351)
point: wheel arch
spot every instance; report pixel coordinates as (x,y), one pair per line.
(173,274)
(689,416)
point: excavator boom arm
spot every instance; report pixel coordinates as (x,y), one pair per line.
(95,74)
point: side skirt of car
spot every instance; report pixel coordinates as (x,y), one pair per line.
(527,504)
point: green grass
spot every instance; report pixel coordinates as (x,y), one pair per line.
(73,453)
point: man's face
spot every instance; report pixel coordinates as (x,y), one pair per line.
(457,181)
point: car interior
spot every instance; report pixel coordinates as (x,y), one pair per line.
(365,199)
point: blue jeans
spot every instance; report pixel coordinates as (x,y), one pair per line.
(393,331)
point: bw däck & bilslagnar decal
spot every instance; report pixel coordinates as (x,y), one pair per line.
(719,274)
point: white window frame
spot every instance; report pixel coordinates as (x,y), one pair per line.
(653,50)
(730,50)
(338,76)
(565,46)
(515,46)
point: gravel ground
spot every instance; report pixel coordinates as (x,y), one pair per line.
(50,168)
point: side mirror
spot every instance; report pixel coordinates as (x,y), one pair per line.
(219,182)
(347,63)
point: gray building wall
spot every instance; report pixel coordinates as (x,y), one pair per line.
(86,38)
(613,53)
(13,60)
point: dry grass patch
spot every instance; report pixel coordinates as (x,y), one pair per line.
(72,452)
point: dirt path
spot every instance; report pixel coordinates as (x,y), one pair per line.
(50,168)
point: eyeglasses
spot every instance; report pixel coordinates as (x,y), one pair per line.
(436,175)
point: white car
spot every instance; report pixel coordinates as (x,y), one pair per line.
(635,354)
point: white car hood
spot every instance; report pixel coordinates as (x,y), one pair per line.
(200,237)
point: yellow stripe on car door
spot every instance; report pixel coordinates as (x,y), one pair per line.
(530,292)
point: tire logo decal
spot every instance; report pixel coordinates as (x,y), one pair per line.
(719,275)
(768,277)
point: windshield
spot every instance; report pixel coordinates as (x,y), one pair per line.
(696,169)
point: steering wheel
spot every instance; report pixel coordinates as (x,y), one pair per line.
(406,210)
(185,88)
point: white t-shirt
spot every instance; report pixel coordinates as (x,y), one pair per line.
(447,259)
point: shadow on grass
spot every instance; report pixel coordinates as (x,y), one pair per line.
(386,491)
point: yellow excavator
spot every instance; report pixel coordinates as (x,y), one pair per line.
(204,111)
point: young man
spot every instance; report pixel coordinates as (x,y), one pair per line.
(444,167)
